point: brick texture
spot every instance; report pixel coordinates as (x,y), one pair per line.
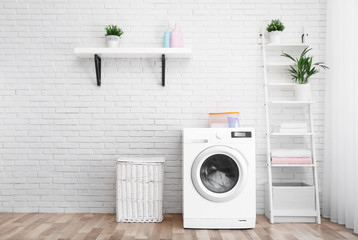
(60,134)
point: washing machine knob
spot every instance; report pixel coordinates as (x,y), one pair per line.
(219,135)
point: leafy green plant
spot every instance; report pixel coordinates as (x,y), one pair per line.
(304,68)
(113,30)
(275,25)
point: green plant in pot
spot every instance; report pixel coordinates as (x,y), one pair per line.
(275,29)
(112,36)
(301,71)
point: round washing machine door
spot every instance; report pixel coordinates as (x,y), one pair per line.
(219,173)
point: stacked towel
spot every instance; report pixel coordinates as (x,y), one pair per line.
(293,127)
(291,156)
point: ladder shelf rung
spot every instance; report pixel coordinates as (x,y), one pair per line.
(278,85)
(292,165)
(294,213)
(292,134)
(293,102)
(278,65)
(286,45)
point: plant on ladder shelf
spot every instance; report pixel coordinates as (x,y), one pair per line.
(301,71)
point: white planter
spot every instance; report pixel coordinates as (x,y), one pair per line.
(112,41)
(275,37)
(303,92)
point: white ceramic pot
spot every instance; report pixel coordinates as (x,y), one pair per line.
(112,41)
(303,92)
(275,37)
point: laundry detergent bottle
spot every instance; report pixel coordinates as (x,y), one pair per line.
(167,37)
(176,40)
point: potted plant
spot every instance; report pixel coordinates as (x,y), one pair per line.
(303,69)
(112,36)
(275,29)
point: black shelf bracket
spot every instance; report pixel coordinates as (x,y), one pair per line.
(97,64)
(163,69)
(304,37)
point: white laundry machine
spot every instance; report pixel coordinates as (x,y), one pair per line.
(219,178)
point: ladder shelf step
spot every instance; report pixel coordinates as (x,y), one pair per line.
(287,45)
(292,134)
(281,84)
(294,213)
(293,165)
(293,102)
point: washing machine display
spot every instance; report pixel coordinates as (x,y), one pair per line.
(219,173)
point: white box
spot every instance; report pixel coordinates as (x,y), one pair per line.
(140,189)
(292,202)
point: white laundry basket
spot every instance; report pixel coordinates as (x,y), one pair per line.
(140,189)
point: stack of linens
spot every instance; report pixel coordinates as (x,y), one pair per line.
(291,156)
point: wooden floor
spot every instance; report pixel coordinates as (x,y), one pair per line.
(104,226)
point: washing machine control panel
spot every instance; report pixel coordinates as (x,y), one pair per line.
(240,134)
(219,135)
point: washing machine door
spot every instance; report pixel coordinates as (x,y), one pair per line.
(219,173)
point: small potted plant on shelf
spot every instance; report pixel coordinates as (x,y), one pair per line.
(112,36)
(301,71)
(275,29)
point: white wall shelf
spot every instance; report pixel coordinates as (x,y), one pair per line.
(134,52)
(162,53)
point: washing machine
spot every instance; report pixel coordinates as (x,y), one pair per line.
(219,189)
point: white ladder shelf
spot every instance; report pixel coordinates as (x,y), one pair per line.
(269,134)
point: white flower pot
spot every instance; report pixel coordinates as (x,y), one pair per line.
(303,92)
(112,41)
(275,37)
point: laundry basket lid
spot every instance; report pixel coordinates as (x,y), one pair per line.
(141,159)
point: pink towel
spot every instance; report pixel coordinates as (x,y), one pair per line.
(291,160)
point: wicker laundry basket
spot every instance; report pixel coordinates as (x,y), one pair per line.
(140,189)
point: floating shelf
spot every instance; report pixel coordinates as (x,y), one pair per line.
(134,52)
(162,53)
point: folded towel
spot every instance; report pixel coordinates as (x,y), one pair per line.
(295,152)
(293,130)
(293,125)
(291,160)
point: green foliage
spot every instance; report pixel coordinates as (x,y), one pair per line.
(304,68)
(113,30)
(275,25)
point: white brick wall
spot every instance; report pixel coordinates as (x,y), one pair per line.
(60,134)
